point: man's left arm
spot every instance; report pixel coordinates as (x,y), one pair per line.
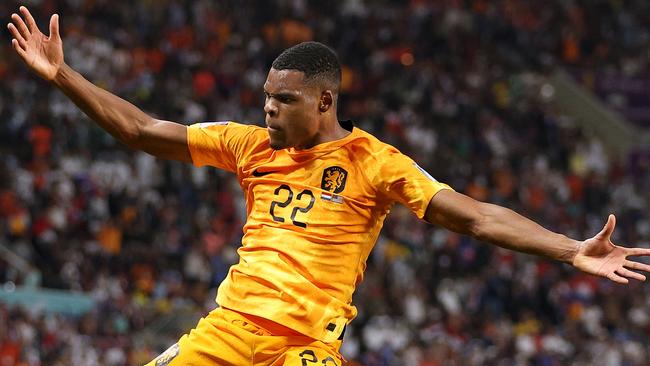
(507,229)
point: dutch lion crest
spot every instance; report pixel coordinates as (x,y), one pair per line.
(334,179)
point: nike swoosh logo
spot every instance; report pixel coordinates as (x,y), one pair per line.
(257,173)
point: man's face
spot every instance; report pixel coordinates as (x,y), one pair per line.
(292,109)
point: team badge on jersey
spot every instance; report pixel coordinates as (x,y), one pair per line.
(334,179)
(166,357)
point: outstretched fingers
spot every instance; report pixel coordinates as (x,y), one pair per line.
(54,27)
(20,26)
(608,229)
(17,36)
(638,251)
(616,278)
(31,23)
(637,266)
(21,52)
(630,274)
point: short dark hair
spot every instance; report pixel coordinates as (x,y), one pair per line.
(317,61)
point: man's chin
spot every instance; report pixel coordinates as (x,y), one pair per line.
(275,145)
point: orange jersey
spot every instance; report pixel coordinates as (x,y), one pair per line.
(313,217)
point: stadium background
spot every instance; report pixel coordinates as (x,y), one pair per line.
(464,87)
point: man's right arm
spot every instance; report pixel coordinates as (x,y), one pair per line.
(123,120)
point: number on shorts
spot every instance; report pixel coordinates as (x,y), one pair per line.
(304,354)
(309,356)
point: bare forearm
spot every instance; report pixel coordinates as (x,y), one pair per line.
(507,229)
(123,120)
(118,117)
(498,225)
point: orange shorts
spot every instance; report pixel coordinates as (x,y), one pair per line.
(226,337)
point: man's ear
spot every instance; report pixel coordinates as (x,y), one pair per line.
(326,101)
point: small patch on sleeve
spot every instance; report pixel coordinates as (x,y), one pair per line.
(166,357)
(425,172)
(208,124)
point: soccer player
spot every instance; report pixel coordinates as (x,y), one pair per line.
(317,192)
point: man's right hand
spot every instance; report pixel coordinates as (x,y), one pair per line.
(123,120)
(44,55)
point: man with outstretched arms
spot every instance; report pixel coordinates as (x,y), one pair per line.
(317,192)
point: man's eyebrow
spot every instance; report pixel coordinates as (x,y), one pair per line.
(282,94)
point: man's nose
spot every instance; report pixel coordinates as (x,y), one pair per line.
(270,108)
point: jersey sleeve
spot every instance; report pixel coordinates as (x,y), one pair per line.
(403,180)
(218,144)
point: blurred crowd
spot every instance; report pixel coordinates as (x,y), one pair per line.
(454,84)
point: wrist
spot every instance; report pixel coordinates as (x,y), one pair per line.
(573,252)
(61,75)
